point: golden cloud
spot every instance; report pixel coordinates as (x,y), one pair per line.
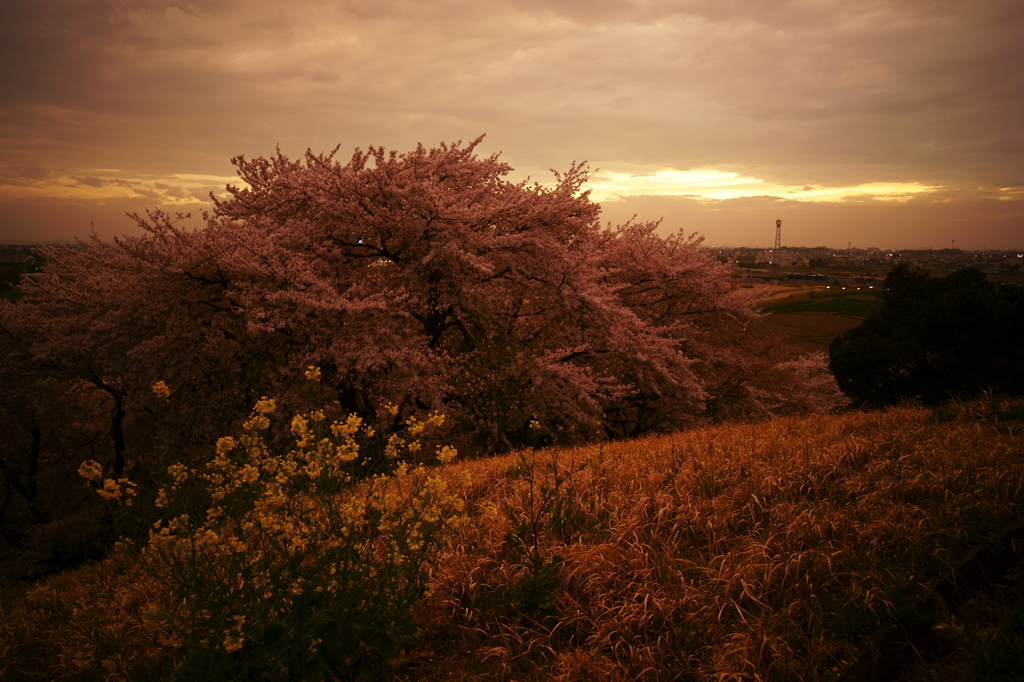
(712,185)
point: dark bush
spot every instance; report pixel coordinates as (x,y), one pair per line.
(934,338)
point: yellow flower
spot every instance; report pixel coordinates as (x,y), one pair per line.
(313,373)
(258,422)
(207,538)
(110,490)
(225,445)
(160,390)
(300,426)
(347,453)
(348,427)
(394,443)
(178,472)
(90,470)
(179,523)
(130,489)
(415,427)
(447,454)
(313,469)
(265,405)
(248,474)
(535,425)
(232,644)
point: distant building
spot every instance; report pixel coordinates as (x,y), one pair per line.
(17,259)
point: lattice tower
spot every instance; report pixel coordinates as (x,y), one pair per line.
(777,258)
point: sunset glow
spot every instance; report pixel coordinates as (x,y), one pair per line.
(109,185)
(891,123)
(718,185)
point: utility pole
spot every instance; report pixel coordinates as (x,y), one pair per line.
(777,261)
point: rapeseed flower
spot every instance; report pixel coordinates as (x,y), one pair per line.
(258,422)
(265,405)
(160,390)
(90,470)
(447,454)
(269,535)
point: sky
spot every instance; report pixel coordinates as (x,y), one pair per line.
(888,123)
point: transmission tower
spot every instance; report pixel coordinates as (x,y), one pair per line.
(777,259)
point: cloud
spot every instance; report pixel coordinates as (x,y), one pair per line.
(32,172)
(91,181)
(183,190)
(710,184)
(865,73)
(828,95)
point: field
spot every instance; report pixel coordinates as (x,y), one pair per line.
(855,305)
(811,318)
(808,331)
(768,551)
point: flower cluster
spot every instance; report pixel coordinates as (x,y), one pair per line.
(160,390)
(115,490)
(302,539)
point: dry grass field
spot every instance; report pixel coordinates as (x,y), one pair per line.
(753,551)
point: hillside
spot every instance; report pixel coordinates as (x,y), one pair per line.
(766,550)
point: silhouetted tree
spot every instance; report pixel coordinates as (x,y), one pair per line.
(933,339)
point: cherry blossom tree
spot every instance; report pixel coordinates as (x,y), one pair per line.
(425,280)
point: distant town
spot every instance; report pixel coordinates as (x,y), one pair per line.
(796,264)
(824,256)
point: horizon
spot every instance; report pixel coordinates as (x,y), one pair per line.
(751,247)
